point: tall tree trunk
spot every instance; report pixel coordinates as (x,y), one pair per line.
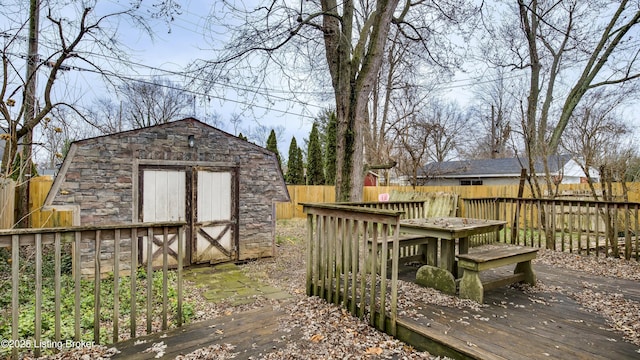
(353,69)
(25,162)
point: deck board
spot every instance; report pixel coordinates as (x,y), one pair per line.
(514,324)
(252,333)
(539,325)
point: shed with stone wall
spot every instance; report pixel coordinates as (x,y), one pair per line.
(223,187)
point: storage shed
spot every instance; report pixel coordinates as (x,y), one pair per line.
(223,187)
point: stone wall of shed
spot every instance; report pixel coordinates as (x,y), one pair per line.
(100,178)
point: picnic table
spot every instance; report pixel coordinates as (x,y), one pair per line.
(440,260)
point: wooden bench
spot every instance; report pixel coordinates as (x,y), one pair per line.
(471,287)
(412,247)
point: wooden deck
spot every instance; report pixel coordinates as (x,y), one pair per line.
(252,333)
(513,325)
(528,325)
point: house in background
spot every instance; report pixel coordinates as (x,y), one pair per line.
(371,179)
(505,171)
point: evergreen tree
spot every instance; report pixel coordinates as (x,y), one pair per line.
(300,164)
(242,137)
(330,149)
(295,170)
(315,164)
(272,144)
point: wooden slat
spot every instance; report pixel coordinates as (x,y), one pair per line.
(76,262)
(362,234)
(597,232)
(180,256)
(496,253)
(371,274)
(503,281)
(394,280)
(149,279)
(637,232)
(339,261)
(346,262)
(322,249)
(56,285)
(383,275)
(116,286)
(331,259)
(355,258)
(154,226)
(310,252)
(96,288)
(134,280)
(38,293)
(15,288)
(165,268)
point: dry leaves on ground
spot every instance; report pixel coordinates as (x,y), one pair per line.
(328,331)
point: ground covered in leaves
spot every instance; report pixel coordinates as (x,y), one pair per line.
(328,332)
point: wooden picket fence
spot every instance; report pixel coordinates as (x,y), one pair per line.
(38,190)
(326,194)
(38,218)
(7,203)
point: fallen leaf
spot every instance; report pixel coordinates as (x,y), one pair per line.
(373,351)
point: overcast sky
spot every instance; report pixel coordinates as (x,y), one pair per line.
(182,41)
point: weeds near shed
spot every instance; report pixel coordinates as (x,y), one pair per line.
(27,299)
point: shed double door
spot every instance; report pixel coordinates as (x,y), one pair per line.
(206,198)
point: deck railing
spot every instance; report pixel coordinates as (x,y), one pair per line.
(578,226)
(342,270)
(35,243)
(409,208)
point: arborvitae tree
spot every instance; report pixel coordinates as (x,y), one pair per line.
(272,144)
(330,150)
(295,169)
(300,163)
(242,137)
(315,166)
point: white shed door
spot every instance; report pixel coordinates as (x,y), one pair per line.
(163,199)
(214,224)
(163,196)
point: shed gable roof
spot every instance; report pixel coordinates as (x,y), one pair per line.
(173,124)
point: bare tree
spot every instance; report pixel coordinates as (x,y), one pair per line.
(148,103)
(446,123)
(235,120)
(58,130)
(353,37)
(493,113)
(402,89)
(598,139)
(105,116)
(568,48)
(431,134)
(76,34)
(412,149)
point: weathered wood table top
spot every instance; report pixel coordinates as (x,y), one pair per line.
(450,227)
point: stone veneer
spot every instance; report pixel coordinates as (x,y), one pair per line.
(99,176)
